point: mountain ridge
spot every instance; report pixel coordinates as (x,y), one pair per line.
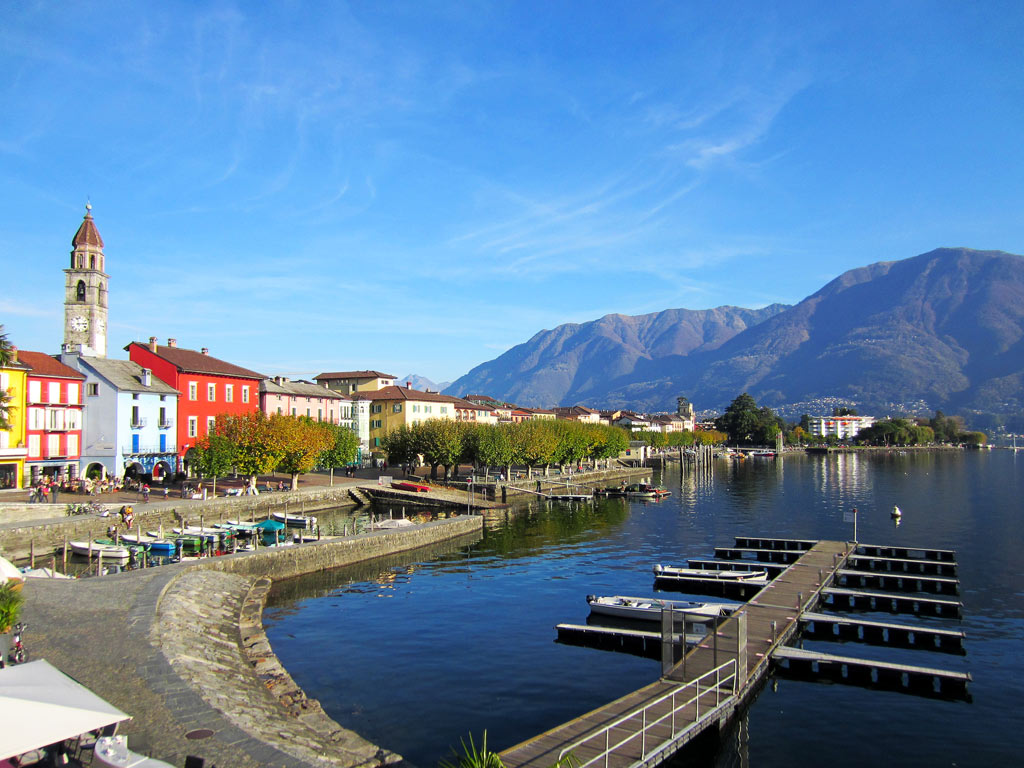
(939,330)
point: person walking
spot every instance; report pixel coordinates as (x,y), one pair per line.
(55,491)
(145,492)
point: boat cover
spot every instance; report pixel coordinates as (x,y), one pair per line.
(271,525)
(40,705)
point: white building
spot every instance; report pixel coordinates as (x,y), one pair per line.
(841,427)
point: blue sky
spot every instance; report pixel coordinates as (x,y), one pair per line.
(417,187)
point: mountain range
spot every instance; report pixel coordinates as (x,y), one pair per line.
(943,330)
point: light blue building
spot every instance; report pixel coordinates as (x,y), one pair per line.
(129,419)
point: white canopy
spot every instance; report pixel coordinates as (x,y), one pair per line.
(40,705)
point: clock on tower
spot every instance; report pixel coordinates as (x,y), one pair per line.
(85,292)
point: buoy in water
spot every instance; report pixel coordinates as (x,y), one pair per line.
(896,512)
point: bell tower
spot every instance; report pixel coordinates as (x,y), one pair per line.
(85,292)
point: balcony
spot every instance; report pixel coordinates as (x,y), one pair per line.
(148,450)
(138,422)
(165,423)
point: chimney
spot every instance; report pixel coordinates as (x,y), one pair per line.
(152,343)
(14,354)
(408,385)
(147,377)
(172,342)
(205,350)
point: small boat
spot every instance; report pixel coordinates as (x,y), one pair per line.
(154,545)
(294,521)
(402,485)
(762,454)
(702,574)
(11,574)
(570,497)
(111,552)
(646,491)
(649,608)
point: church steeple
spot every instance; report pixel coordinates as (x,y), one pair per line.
(85,292)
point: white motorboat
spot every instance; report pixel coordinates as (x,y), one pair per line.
(111,552)
(294,521)
(710,574)
(650,608)
(397,522)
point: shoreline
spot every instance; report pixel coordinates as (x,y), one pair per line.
(182,649)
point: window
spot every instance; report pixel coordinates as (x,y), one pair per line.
(376,424)
(72,446)
(53,445)
(57,419)
(192,426)
(295,411)
(307,413)
(73,394)
(415,409)
(80,291)
(35,391)
(73,419)
(33,446)
(135,396)
(428,409)
(37,418)
(278,410)
(92,389)
(54,392)
(211,392)
(245,394)
(319,414)
(375,408)
(444,409)
(397,407)
(229,393)
(162,398)
(211,425)
(193,390)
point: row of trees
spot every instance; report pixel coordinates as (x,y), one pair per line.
(253,444)
(682,439)
(446,444)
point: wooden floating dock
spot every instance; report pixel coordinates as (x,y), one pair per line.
(734,590)
(903,565)
(714,678)
(898,582)
(826,626)
(853,599)
(633,641)
(923,681)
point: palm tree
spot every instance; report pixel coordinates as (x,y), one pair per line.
(5,399)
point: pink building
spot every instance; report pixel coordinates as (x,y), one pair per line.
(54,418)
(303,398)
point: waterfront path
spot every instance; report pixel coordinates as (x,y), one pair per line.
(181,649)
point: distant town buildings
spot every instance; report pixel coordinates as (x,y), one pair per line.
(80,413)
(841,427)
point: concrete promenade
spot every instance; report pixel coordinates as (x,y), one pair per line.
(181,649)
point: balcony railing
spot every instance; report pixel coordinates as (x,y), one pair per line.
(165,423)
(138,422)
(145,450)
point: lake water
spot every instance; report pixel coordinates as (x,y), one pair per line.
(420,651)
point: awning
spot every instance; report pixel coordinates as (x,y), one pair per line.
(40,705)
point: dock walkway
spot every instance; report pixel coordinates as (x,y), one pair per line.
(704,675)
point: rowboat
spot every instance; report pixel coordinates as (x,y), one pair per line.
(153,544)
(702,574)
(646,491)
(649,608)
(294,521)
(111,552)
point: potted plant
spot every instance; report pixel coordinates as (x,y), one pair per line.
(11,601)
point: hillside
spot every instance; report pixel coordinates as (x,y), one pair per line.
(940,330)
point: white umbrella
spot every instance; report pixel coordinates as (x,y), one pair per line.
(40,705)
(9,572)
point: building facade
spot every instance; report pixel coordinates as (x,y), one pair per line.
(207,386)
(13,451)
(350,382)
(54,416)
(841,427)
(130,414)
(393,407)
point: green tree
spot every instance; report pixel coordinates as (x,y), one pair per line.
(441,442)
(747,424)
(257,451)
(494,445)
(300,441)
(342,451)
(572,442)
(400,444)
(213,456)
(539,444)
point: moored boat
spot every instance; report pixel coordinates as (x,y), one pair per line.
(650,608)
(111,552)
(739,577)
(646,491)
(294,521)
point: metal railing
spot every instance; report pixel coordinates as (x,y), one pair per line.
(165,423)
(681,697)
(138,422)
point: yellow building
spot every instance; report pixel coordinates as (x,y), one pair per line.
(350,382)
(393,407)
(13,450)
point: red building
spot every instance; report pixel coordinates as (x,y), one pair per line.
(208,386)
(53,428)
